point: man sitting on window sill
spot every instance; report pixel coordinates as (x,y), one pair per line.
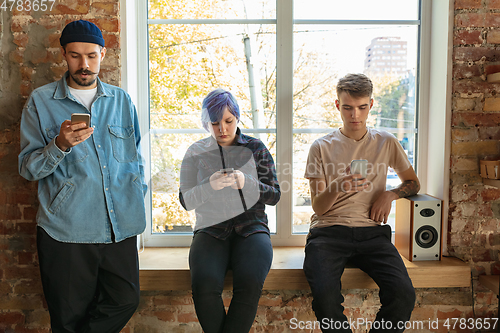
(351,211)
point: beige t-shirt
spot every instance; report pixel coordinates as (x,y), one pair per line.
(330,155)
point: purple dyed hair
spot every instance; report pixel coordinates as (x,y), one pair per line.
(214,105)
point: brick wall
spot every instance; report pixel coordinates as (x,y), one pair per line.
(474,208)
(30,57)
(173,311)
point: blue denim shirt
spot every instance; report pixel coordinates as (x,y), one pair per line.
(95,189)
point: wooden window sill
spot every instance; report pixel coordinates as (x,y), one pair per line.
(168,269)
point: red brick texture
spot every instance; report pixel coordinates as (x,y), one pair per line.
(475,208)
(31,57)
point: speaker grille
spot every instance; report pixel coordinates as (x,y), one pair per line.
(426,236)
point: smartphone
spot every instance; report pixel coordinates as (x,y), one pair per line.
(80,118)
(358,167)
(227,171)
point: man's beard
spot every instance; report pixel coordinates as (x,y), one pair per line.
(88,82)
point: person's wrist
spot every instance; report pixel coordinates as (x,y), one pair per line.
(393,195)
(59,145)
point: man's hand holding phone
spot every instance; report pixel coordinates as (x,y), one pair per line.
(74,132)
(355,179)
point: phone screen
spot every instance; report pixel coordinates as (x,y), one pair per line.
(227,170)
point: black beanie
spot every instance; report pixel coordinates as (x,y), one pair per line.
(81,31)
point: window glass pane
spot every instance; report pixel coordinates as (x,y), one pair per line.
(356,9)
(212,9)
(167,151)
(301,203)
(187,62)
(323,54)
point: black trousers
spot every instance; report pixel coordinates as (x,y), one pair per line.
(89,287)
(369,248)
(209,259)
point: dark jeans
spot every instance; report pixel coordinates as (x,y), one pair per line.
(209,259)
(327,252)
(89,287)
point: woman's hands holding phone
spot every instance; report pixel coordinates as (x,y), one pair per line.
(239,180)
(227,177)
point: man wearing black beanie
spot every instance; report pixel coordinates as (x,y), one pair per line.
(91,189)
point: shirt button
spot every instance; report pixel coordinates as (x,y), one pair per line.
(111,211)
(106,188)
(99,146)
(104,167)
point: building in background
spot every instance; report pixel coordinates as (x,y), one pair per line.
(386,63)
(386,56)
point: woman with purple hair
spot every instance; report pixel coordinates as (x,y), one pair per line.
(228,178)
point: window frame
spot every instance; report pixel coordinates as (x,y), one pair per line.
(433,79)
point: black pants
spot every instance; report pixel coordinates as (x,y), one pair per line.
(89,287)
(369,248)
(209,259)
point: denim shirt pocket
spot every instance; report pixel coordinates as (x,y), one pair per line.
(123,142)
(61,196)
(78,153)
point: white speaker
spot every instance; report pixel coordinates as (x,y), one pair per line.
(418,227)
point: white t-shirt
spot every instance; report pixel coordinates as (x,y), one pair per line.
(330,155)
(84,96)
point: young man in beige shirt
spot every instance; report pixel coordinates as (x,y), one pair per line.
(351,212)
